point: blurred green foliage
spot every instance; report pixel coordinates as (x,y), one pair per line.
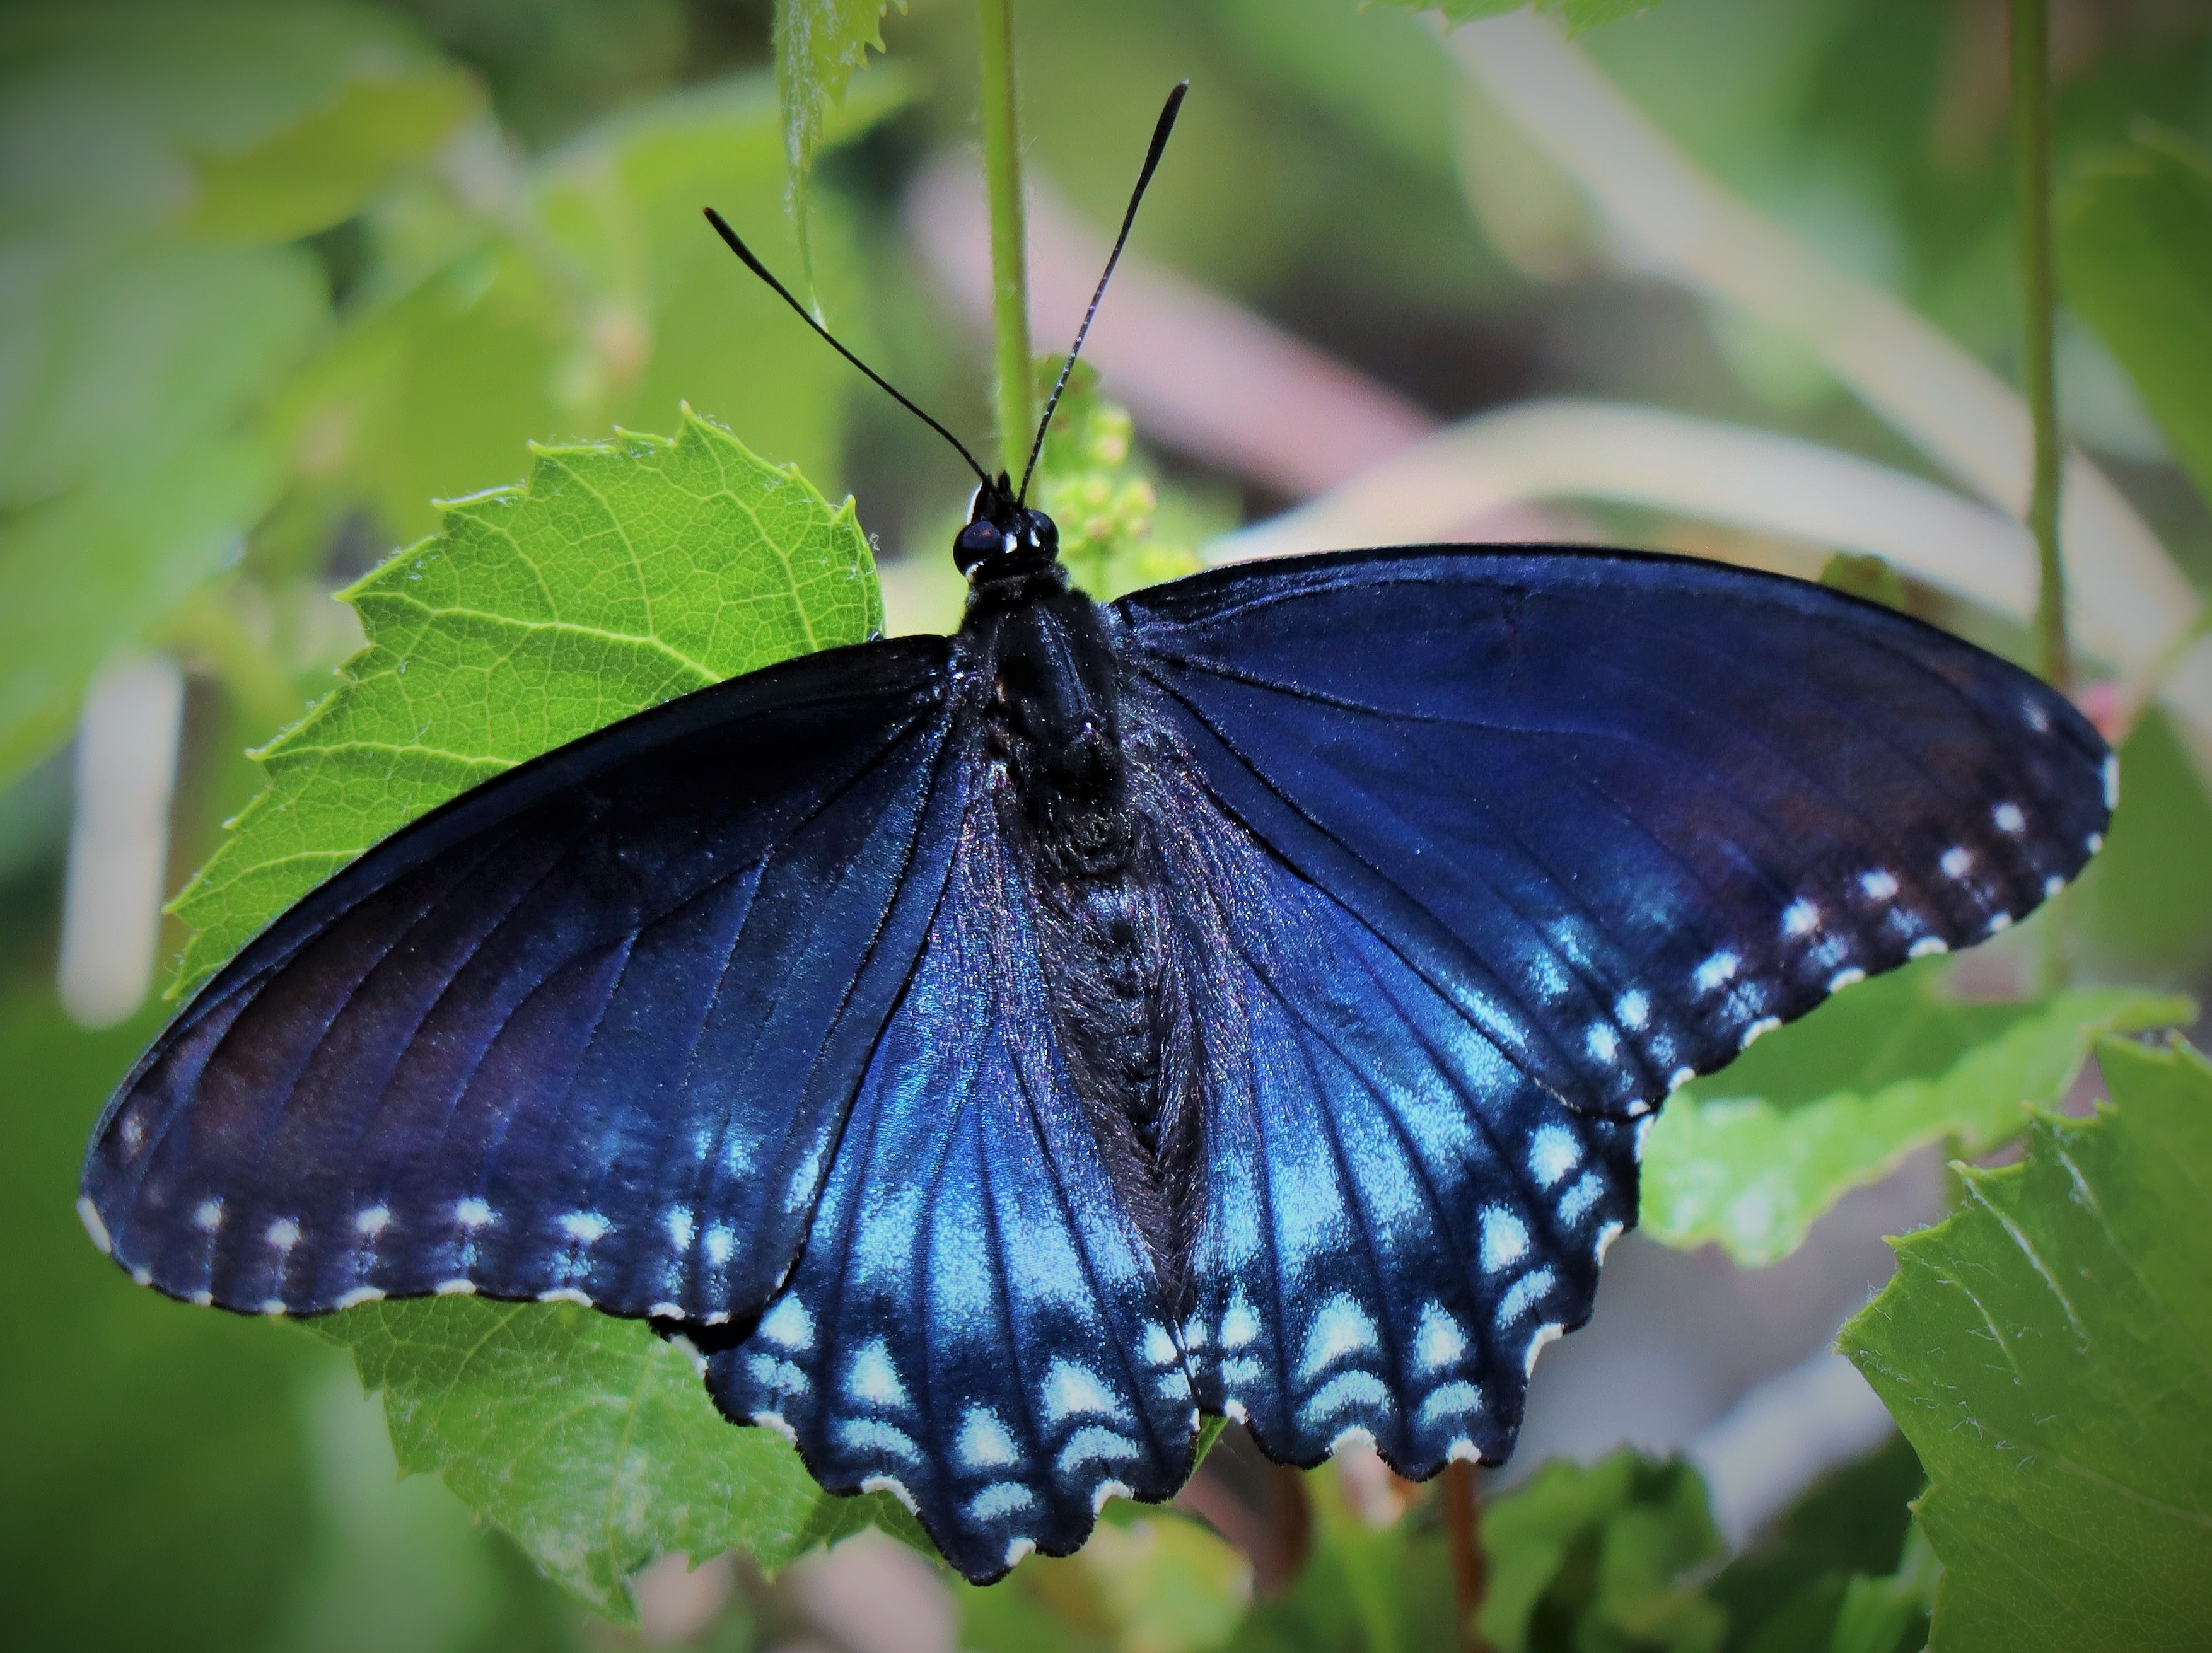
(274,277)
(1750,1157)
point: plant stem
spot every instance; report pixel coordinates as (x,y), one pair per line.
(1010,284)
(1464,1529)
(2031,145)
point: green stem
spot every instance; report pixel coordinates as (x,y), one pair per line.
(2030,142)
(1010,284)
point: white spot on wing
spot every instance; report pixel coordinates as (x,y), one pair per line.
(1350,1388)
(1341,1327)
(208,1215)
(892,1485)
(788,1325)
(999,1499)
(874,1435)
(775,1420)
(1159,1347)
(1105,1493)
(1440,1341)
(1452,1400)
(680,1227)
(1716,972)
(585,1226)
(1240,1325)
(1545,1334)
(1072,1389)
(372,1221)
(984,1443)
(2008,818)
(1018,1548)
(283,1233)
(472,1214)
(1851,976)
(359,1295)
(1505,1239)
(1800,918)
(1604,1043)
(2111,782)
(1878,884)
(565,1294)
(1528,1291)
(1633,1009)
(1094,1443)
(719,1242)
(1580,1198)
(457,1288)
(2000,922)
(1552,1153)
(88,1215)
(1927,947)
(1958,861)
(873,1378)
(2053,885)
(1759,1030)
(1606,1236)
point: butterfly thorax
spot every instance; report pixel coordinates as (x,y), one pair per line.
(1055,736)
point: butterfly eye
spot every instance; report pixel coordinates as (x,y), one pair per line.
(1043,533)
(978,540)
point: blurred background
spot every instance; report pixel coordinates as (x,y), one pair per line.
(1730,277)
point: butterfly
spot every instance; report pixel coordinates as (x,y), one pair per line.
(993,1053)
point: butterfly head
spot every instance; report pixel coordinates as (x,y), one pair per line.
(1004,539)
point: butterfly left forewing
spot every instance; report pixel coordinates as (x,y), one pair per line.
(584,1033)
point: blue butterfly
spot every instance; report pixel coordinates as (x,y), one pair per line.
(993,1053)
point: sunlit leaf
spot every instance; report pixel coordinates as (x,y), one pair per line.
(1751,1158)
(2046,1351)
(623,575)
(588,1438)
(2135,243)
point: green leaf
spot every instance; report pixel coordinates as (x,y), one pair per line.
(1578,14)
(1752,1157)
(623,575)
(2136,251)
(819,45)
(2048,1351)
(104,565)
(589,1439)
(1595,1557)
(1845,1548)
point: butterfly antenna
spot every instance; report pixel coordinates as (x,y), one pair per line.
(723,229)
(1151,163)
